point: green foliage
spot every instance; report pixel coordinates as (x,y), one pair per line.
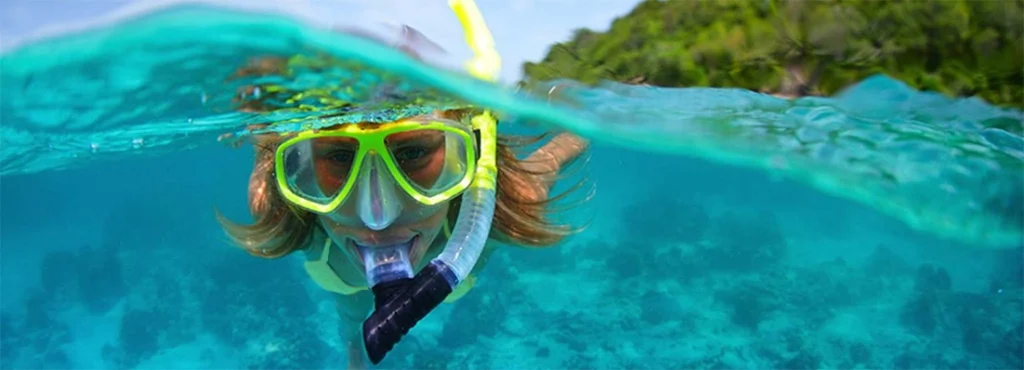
(797,47)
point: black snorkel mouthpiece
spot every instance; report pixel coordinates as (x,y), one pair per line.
(386,291)
(401,304)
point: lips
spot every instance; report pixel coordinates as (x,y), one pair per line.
(359,248)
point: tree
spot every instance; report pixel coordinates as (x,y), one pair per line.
(801,47)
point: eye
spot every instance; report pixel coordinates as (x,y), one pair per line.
(410,153)
(340,156)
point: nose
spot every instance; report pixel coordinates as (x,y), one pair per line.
(378,205)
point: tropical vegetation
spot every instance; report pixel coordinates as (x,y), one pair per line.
(804,47)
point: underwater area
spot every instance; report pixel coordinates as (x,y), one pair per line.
(876,226)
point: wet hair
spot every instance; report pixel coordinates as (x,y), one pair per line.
(279,228)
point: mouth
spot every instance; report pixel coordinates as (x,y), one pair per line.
(361,250)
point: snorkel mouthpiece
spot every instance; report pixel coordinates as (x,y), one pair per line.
(385,264)
(403,303)
(407,305)
(388,270)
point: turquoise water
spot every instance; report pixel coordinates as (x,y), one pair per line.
(877,228)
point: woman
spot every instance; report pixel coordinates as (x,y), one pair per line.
(354,194)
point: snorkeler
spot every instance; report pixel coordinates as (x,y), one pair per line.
(396,215)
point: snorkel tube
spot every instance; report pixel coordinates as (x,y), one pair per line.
(402,303)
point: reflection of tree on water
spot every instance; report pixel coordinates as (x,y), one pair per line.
(796,48)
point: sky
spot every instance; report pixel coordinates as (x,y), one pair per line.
(522,29)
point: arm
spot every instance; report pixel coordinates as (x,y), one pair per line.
(546,162)
(554,155)
(353,309)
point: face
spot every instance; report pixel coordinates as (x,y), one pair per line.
(421,156)
(344,228)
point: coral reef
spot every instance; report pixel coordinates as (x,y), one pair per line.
(732,300)
(35,340)
(744,242)
(292,345)
(86,277)
(664,219)
(159,314)
(90,276)
(718,292)
(138,339)
(242,297)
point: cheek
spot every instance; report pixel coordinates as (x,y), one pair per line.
(431,228)
(336,230)
(434,220)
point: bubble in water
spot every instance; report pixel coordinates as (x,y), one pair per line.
(94,147)
(137,143)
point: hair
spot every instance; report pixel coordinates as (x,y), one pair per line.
(280,228)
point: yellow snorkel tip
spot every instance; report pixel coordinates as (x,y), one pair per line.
(486,63)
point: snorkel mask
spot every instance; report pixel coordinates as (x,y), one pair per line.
(430,159)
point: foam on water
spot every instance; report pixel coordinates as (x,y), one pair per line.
(161,82)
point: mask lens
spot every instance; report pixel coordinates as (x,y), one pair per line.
(432,161)
(317,169)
